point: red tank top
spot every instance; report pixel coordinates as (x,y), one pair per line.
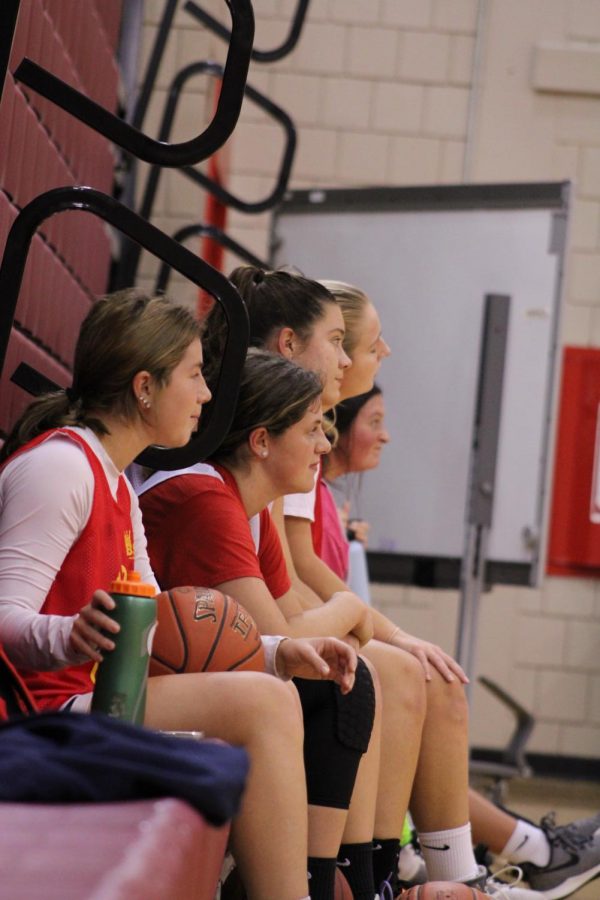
(94,561)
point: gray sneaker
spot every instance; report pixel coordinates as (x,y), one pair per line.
(585,826)
(574,857)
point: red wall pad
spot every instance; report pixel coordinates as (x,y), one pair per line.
(13,399)
(6,117)
(574,536)
(155,849)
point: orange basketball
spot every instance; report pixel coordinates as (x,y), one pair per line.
(202,630)
(342,888)
(442,890)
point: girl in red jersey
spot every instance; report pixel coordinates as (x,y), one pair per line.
(69,519)
(265,455)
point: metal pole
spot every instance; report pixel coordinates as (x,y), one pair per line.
(482,475)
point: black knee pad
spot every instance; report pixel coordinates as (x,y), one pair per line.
(337,729)
(356,710)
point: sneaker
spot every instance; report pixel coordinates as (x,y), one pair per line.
(587,826)
(574,857)
(490,886)
(411,865)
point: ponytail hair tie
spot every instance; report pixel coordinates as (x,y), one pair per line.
(259,276)
(71,394)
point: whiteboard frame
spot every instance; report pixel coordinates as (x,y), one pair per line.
(443,570)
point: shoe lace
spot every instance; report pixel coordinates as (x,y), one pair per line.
(385,891)
(502,890)
(566,835)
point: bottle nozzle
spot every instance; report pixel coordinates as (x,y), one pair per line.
(131,583)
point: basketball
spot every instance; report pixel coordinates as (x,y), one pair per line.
(341,890)
(202,630)
(442,890)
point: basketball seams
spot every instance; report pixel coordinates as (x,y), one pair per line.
(160,659)
(217,637)
(443,891)
(240,662)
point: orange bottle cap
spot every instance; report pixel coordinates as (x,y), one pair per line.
(131,583)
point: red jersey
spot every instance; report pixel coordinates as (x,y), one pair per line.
(93,562)
(198,532)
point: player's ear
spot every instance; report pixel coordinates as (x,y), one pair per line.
(258,442)
(286,343)
(142,385)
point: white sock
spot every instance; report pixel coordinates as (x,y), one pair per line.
(527,843)
(449,854)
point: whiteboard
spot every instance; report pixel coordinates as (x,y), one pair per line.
(427,259)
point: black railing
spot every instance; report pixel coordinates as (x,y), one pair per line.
(262,56)
(215,234)
(131,255)
(136,142)
(159,153)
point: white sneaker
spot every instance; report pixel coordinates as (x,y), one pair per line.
(411,866)
(500,890)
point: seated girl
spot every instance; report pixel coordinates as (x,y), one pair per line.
(279,426)
(69,520)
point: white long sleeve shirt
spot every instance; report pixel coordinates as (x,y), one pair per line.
(46,497)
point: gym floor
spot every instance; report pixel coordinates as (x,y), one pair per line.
(534,797)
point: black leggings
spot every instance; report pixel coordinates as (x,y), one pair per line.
(337,729)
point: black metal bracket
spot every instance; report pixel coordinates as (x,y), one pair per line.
(285,167)
(261,56)
(225,196)
(153,65)
(513,761)
(131,255)
(136,142)
(179,258)
(199,230)
(32,381)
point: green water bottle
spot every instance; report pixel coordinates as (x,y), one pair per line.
(121,677)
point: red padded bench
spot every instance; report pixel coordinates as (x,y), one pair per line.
(142,850)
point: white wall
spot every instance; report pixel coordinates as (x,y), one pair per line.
(385,92)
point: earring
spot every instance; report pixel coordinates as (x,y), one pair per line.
(264,453)
(145,402)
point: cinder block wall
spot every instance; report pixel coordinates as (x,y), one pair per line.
(386,92)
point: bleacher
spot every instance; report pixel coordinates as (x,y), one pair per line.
(149,848)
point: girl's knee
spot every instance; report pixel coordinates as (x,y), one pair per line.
(276,704)
(414,687)
(448,700)
(408,681)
